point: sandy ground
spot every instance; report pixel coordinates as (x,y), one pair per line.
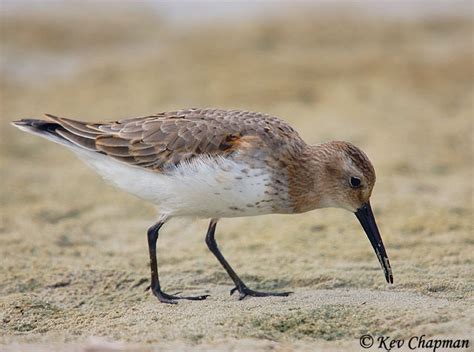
(73,253)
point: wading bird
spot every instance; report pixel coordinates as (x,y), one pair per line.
(214,164)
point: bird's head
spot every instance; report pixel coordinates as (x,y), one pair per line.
(348,176)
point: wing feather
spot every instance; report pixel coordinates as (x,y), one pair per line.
(168,139)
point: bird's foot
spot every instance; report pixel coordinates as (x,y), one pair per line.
(244,291)
(171,299)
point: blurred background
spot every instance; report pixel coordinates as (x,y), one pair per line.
(393,77)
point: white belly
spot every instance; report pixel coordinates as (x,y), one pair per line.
(203,188)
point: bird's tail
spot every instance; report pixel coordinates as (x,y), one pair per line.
(43,128)
(70,133)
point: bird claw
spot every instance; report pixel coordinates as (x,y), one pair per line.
(171,299)
(244,291)
(233,290)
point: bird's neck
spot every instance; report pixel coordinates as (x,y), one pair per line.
(306,189)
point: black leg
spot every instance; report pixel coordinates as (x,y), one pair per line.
(155,281)
(239,284)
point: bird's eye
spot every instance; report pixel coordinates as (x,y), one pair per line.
(355,182)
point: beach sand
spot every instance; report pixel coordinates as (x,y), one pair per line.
(73,250)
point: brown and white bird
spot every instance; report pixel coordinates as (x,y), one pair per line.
(212,163)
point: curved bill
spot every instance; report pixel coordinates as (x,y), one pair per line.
(367,220)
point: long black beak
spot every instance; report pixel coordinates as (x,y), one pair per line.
(367,220)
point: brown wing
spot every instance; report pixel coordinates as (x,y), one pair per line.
(166,139)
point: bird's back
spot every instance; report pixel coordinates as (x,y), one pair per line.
(169,138)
